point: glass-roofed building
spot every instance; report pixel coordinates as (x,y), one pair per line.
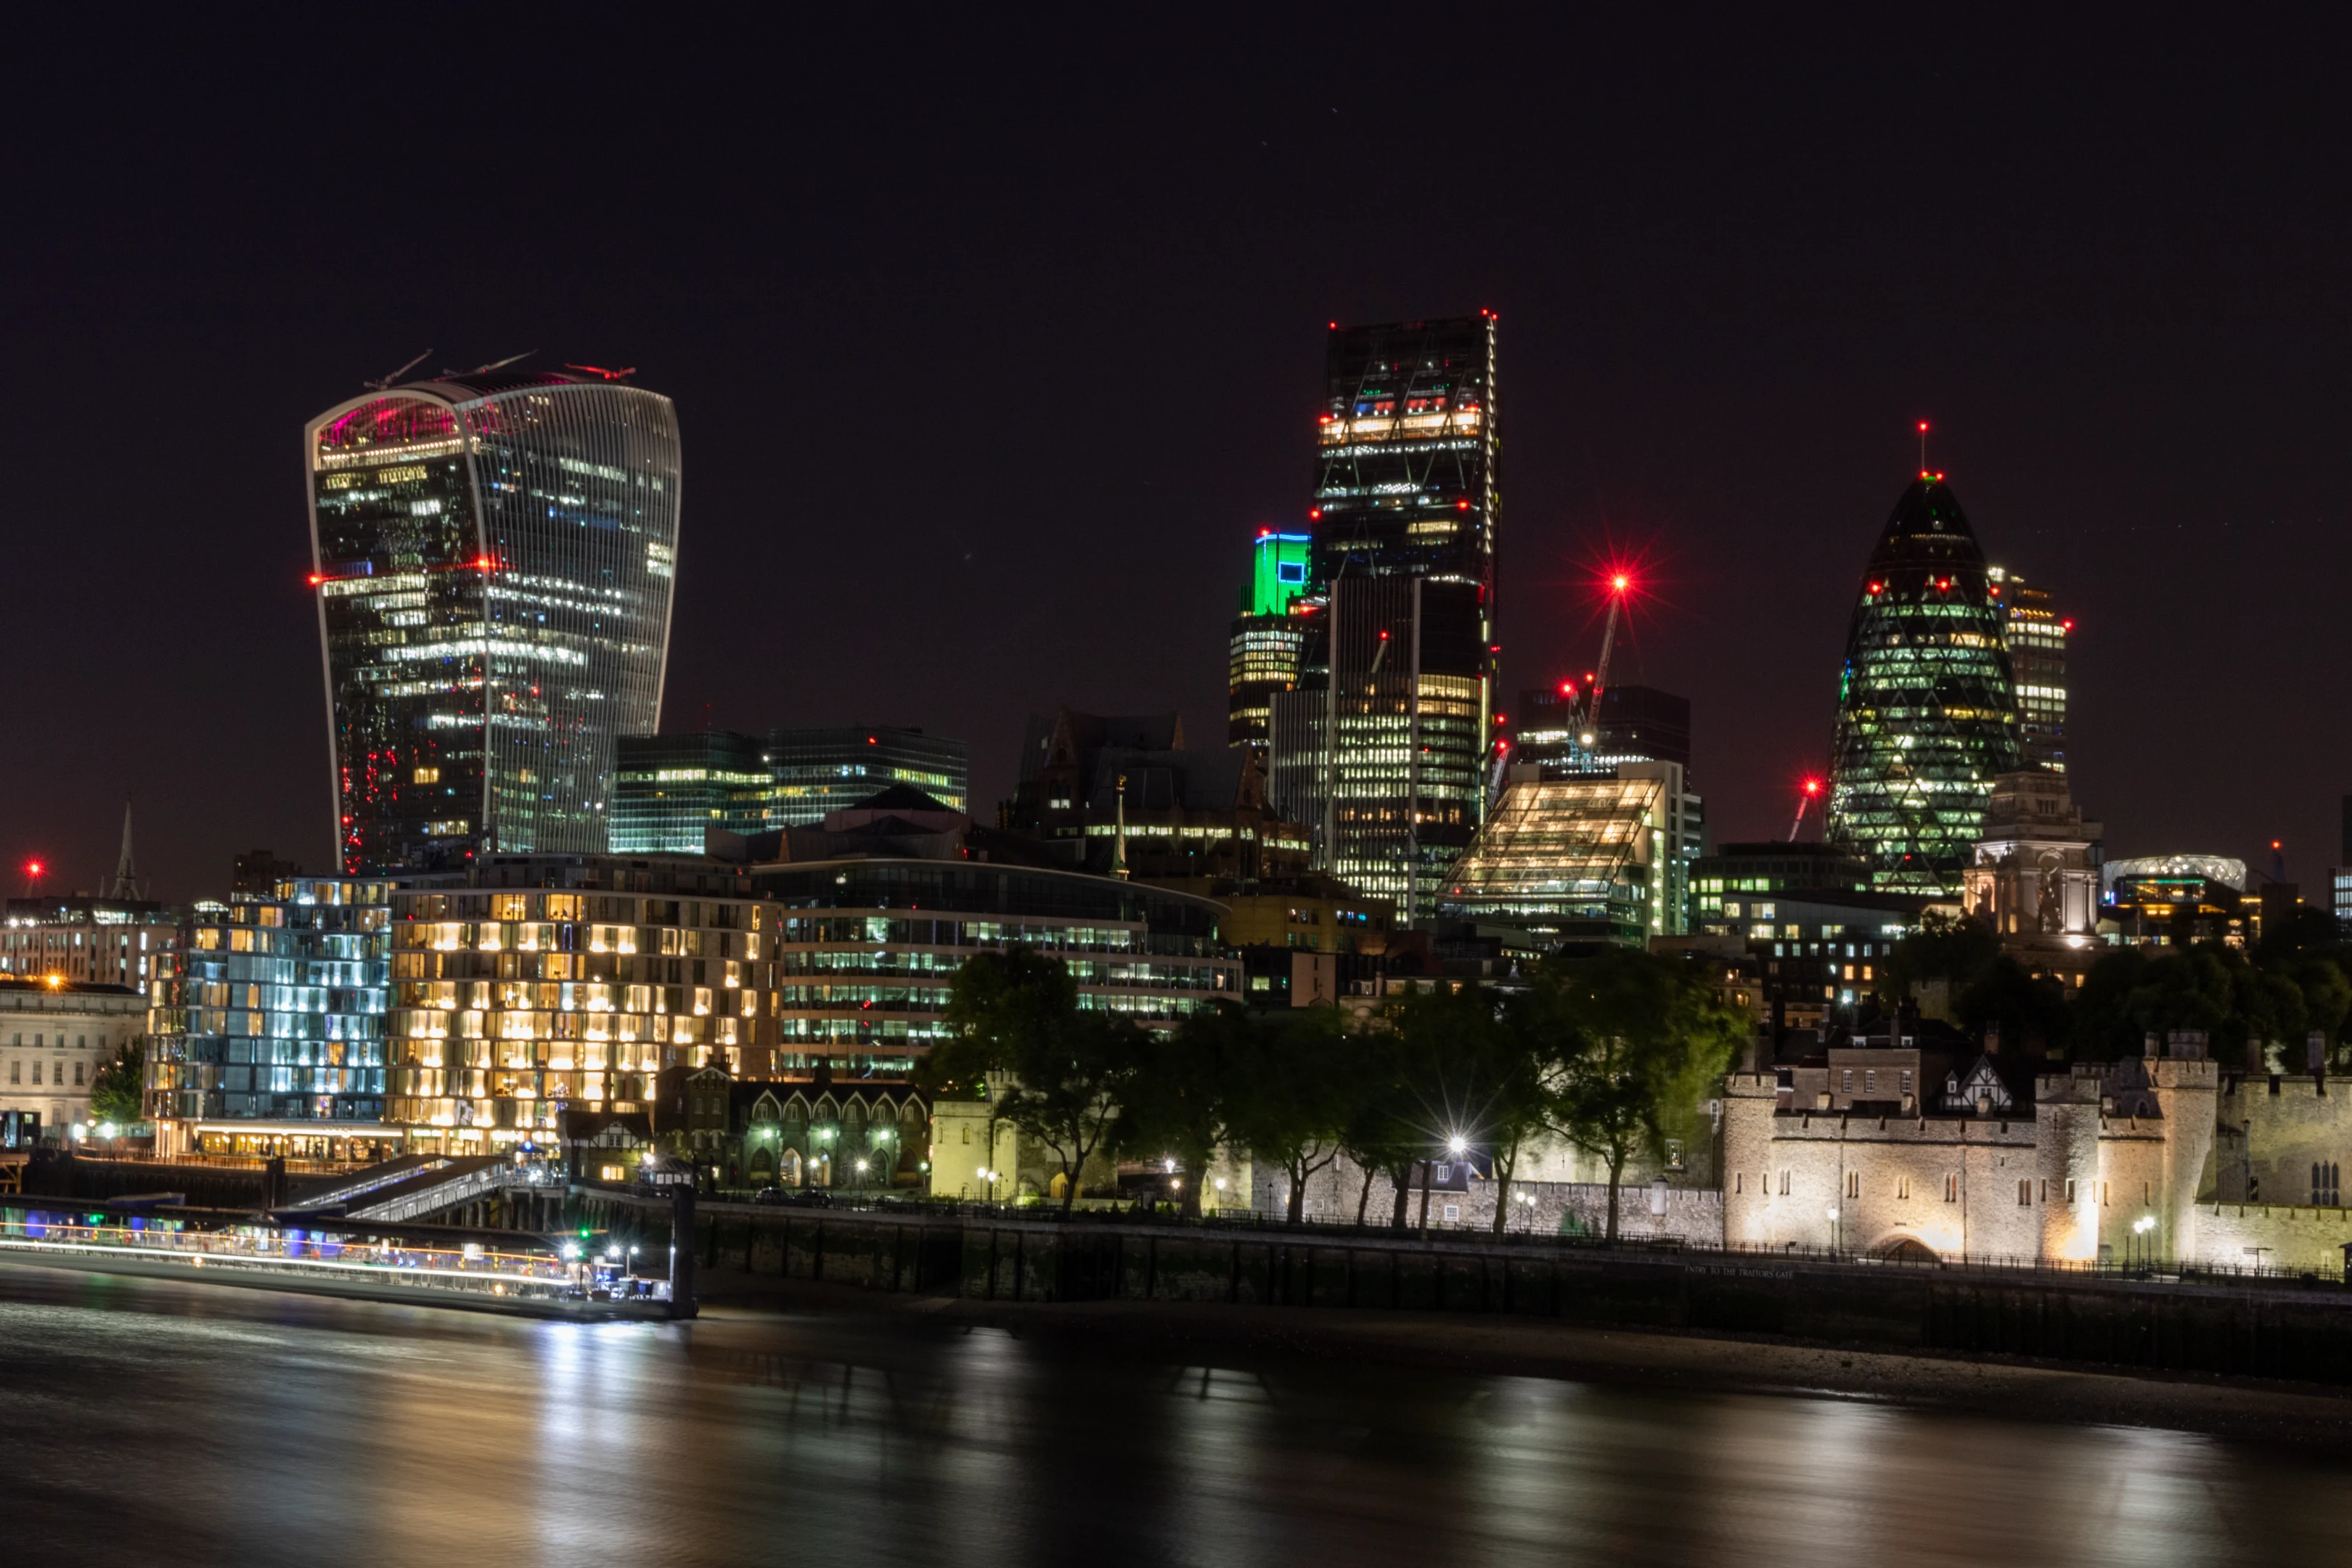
(1927,700)
(1567,860)
(493,556)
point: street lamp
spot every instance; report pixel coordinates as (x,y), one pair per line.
(2141,1227)
(1834,1238)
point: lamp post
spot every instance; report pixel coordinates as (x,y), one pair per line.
(1834,1232)
(2139,1244)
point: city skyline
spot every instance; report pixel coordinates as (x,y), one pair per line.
(2126,355)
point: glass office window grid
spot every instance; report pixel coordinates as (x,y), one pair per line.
(1264,657)
(274,1008)
(868,950)
(812,771)
(507,1007)
(1569,860)
(2036,635)
(669,791)
(494,558)
(1926,702)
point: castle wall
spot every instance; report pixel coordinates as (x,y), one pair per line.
(2274,1235)
(2273,1131)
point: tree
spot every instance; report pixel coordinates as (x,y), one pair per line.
(1636,1035)
(1292,1087)
(1953,951)
(2026,1006)
(1058,1069)
(118,1093)
(1178,1103)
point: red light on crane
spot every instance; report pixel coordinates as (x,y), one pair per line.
(316,579)
(2066,626)
(1568,689)
(1812,787)
(1315,511)
(1620,581)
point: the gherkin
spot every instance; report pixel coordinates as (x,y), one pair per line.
(1926,702)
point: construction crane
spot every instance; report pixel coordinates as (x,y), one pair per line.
(1589,726)
(599,369)
(387,383)
(1804,799)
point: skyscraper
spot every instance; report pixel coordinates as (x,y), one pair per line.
(1926,702)
(1380,752)
(493,554)
(1268,642)
(814,771)
(2035,635)
(669,791)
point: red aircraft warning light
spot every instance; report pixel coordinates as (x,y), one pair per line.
(1620,581)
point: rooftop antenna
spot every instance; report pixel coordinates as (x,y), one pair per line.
(1923,448)
(387,383)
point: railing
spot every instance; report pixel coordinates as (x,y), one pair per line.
(1460,1234)
(226,1162)
(475,1269)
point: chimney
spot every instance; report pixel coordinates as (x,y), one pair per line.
(2253,1054)
(1992,1038)
(2147,1045)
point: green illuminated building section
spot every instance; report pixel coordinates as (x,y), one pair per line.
(1927,700)
(1281,573)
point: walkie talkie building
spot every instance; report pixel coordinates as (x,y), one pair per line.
(493,557)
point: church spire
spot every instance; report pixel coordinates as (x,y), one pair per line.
(126,871)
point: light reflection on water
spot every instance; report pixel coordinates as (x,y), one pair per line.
(188,1424)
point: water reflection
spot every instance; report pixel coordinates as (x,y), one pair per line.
(183,1425)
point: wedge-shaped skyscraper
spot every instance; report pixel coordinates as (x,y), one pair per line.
(493,555)
(1926,702)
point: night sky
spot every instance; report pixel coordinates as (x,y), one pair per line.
(993,342)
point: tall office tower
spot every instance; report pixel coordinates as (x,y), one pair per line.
(1381,751)
(1927,703)
(2035,635)
(1268,642)
(1638,724)
(493,554)
(812,771)
(669,791)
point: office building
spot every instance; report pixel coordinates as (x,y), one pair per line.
(2340,879)
(53,1039)
(86,940)
(1380,753)
(2175,901)
(1816,950)
(812,771)
(1268,642)
(493,555)
(1122,796)
(669,791)
(269,1026)
(1638,724)
(2035,635)
(1570,861)
(1927,704)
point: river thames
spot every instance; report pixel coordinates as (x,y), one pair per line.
(156,1422)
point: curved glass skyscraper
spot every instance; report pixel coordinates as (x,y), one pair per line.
(493,555)
(1927,703)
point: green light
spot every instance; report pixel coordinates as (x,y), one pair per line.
(1279,574)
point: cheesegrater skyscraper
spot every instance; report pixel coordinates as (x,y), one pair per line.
(1380,750)
(493,555)
(1927,700)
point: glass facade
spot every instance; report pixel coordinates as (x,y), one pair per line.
(568,987)
(1567,860)
(273,1008)
(493,557)
(1380,751)
(867,951)
(2036,634)
(669,791)
(1926,702)
(812,771)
